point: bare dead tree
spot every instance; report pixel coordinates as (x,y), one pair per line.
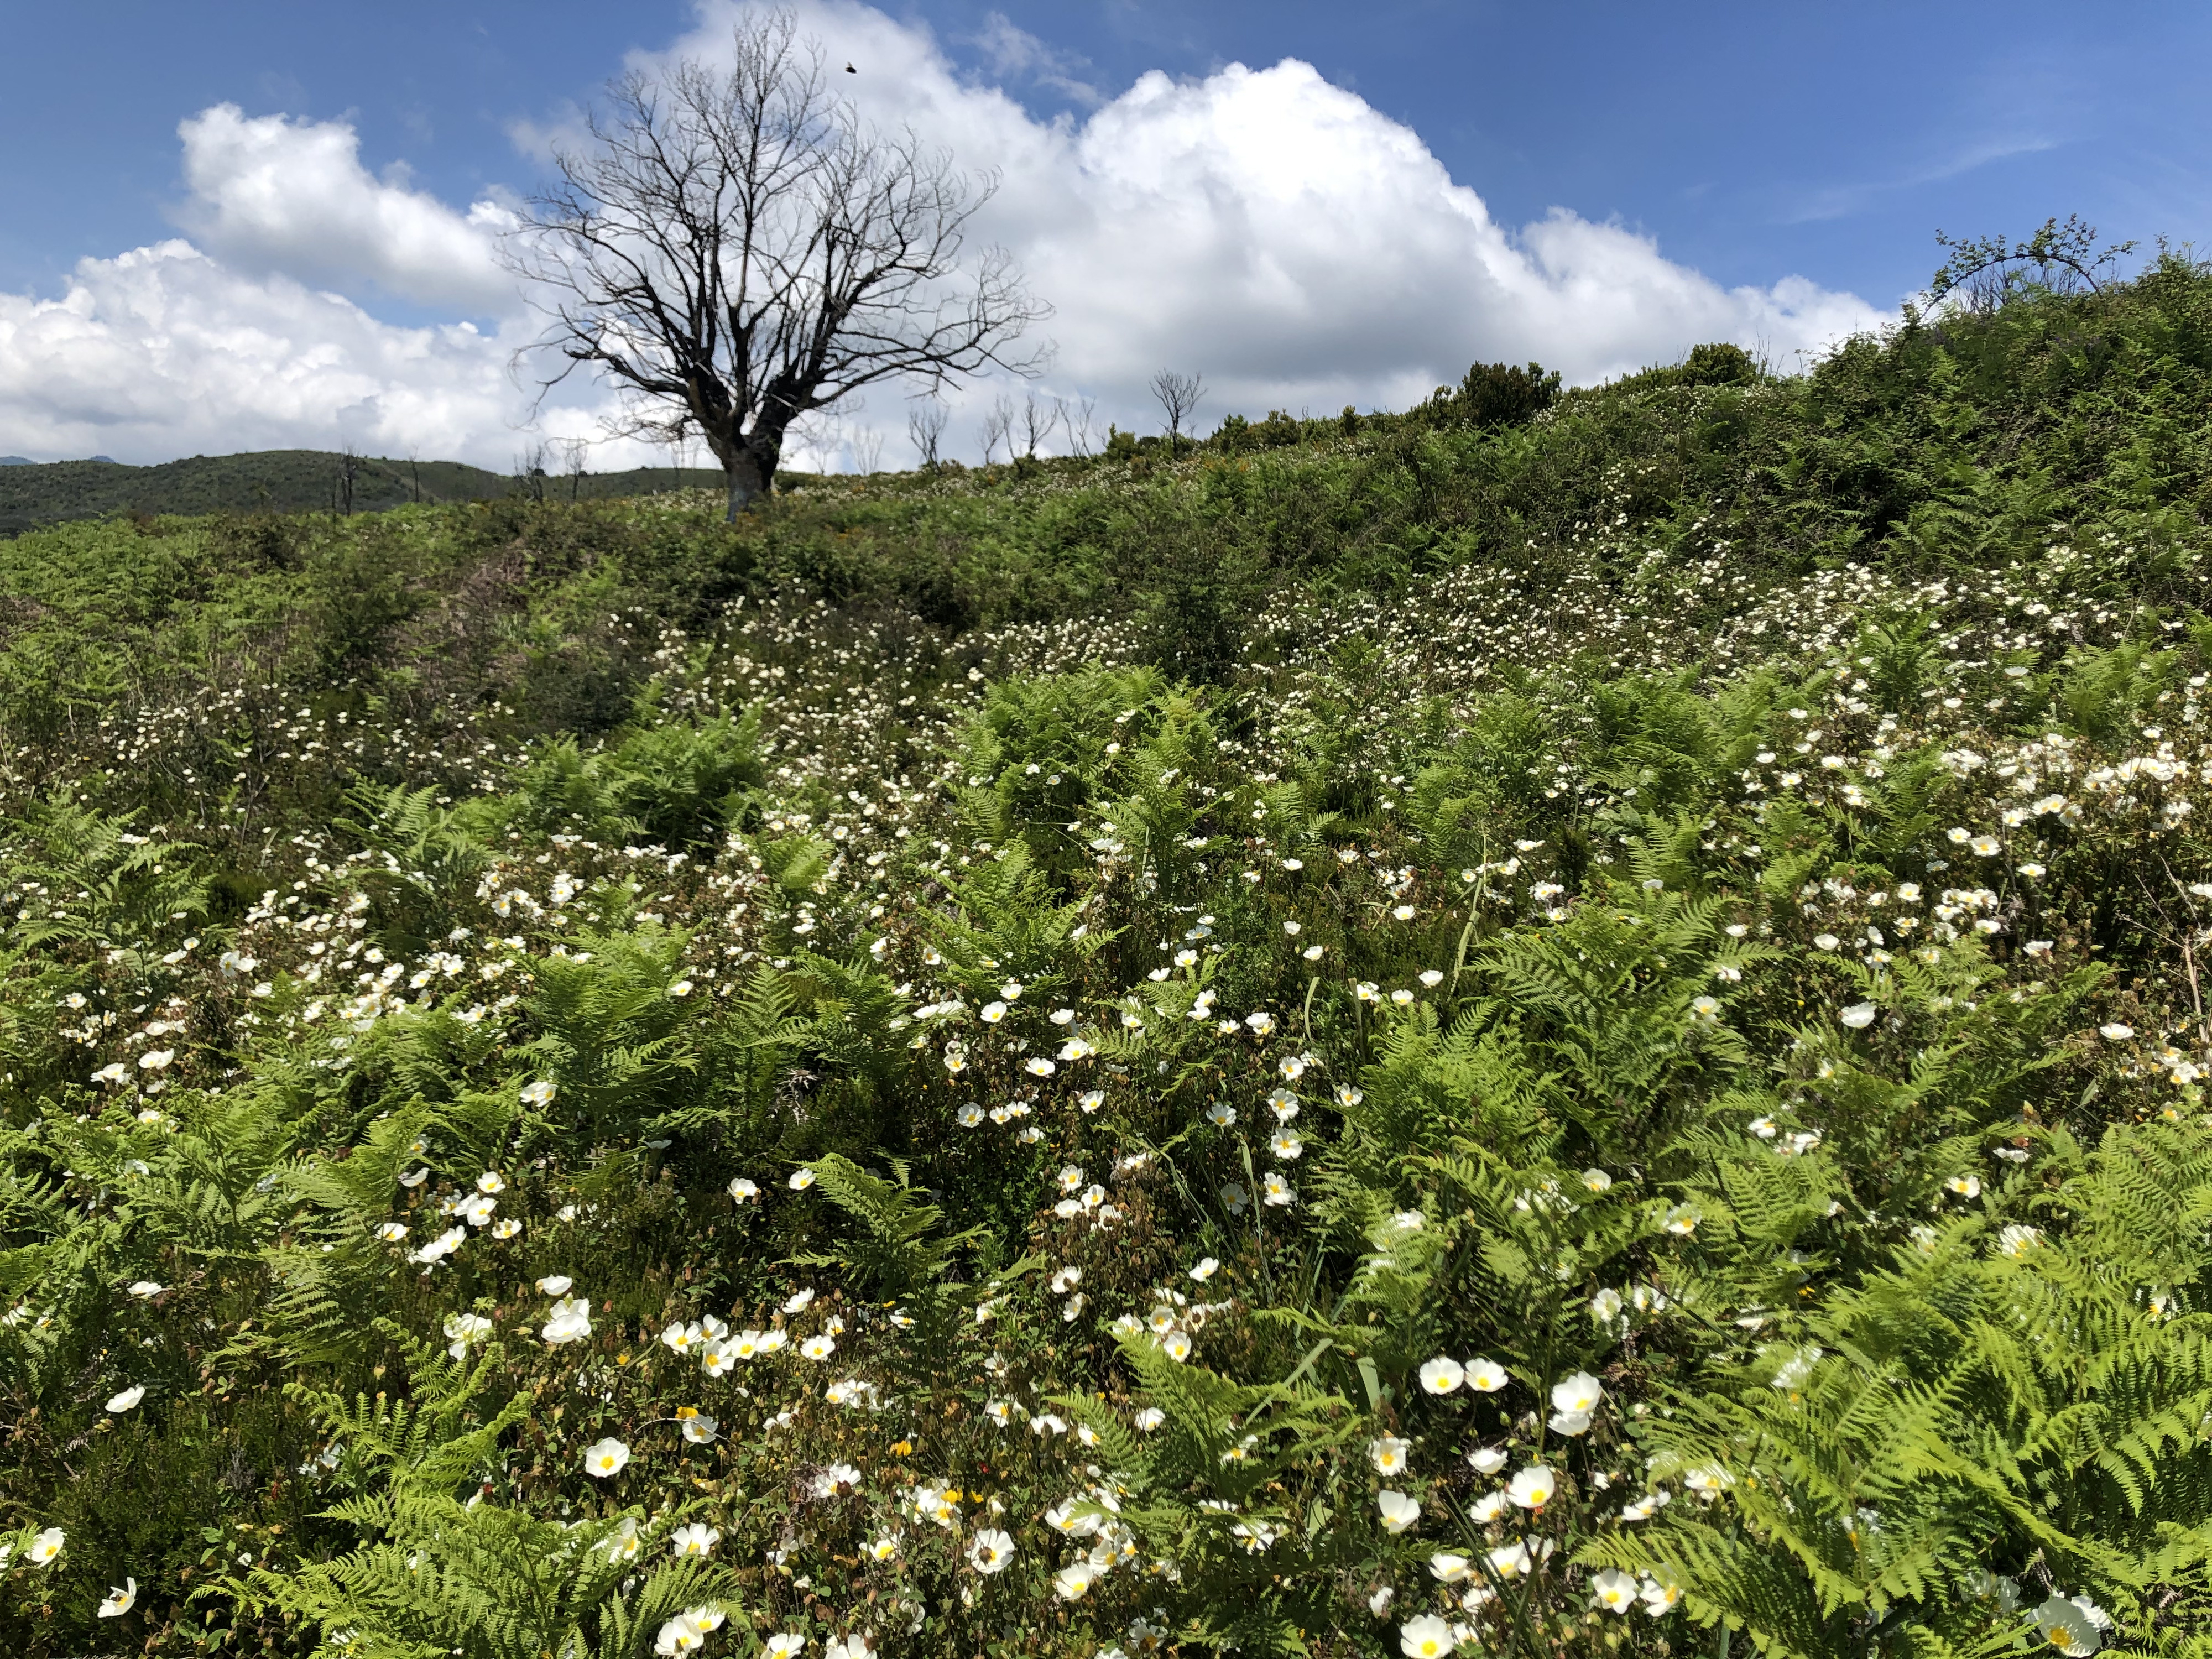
(1178,396)
(574,452)
(414,472)
(1078,422)
(867,450)
(998,428)
(1035,423)
(925,429)
(530,472)
(734,250)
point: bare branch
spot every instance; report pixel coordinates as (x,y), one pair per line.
(732,250)
(1178,396)
(925,427)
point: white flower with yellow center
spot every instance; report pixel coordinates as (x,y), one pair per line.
(603,1459)
(1484,1375)
(1399,1511)
(1442,1375)
(1427,1637)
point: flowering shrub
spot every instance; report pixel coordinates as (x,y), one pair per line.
(1619,1094)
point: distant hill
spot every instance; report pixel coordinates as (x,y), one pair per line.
(285,480)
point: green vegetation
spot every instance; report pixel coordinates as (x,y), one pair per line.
(1566,1022)
(291,481)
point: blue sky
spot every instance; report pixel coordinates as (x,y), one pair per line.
(1747,143)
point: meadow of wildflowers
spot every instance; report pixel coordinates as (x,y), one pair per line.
(1395,1037)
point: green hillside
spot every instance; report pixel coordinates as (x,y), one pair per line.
(1552,1024)
(286,481)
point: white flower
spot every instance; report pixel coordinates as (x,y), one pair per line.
(784,1644)
(1387,1454)
(1484,1375)
(1569,1422)
(1483,1459)
(990,1551)
(1605,1306)
(2067,1626)
(1149,1419)
(1966,1186)
(743,1191)
(968,1115)
(1206,1268)
(800,1179)
(680,1635)
(854,1646)
(1442,1375)
(817,1347)
(1399,1511)
(2116,1032)
(130,1397)
(1659,1598)
(1613,1590)
(1072,1583)
(539,1094)
(1427,1637)
(154,1058)
(700,1429)
(1578,1392)
(146,1288)
(463,1329)
(120,1601)
(2016,1240)
(606,1457)
(695,1541)
(1533,1488)
(570,1321)
(556,1284)
(45,1547)
(1858,1016)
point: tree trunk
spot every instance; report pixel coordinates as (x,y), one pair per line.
(749,477)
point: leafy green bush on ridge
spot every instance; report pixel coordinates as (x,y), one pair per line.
(1584,1036)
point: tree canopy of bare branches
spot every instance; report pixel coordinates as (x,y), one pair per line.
(1178,396)
(733,249)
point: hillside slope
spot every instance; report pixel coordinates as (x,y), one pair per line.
(284,481)
(1524,1027)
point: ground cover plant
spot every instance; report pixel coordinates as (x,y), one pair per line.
(1556,1022)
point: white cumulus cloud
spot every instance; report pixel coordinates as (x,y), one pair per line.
(164,351)
(1263,227)
(273,195)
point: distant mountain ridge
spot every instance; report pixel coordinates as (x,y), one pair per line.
(35,493)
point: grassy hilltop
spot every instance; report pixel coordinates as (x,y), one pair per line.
(1549,1024)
